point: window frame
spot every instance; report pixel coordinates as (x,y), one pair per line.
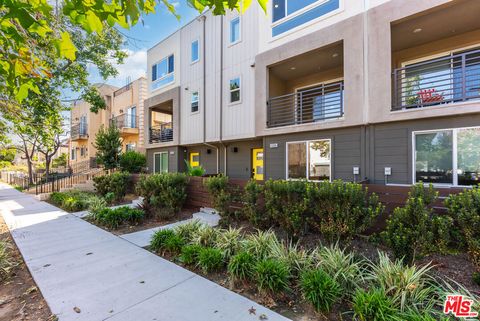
(296,13)
(198,51)
(307,142)
(154,167)
(230,42)
(158,79)
(192,102)
(454,155)
(239,89)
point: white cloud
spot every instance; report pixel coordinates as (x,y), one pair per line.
(134,66)
(176,4)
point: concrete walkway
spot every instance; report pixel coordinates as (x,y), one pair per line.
(78,266)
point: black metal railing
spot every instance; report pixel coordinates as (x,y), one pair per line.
(438,81)
(306,106)
(79,130)
(125,121)
(161,133)
(83,166)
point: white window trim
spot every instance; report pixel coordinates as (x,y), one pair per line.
(198,101)
(296,13)
(158,79)
(230,103)
(454,155)
(159,153)
(198,54)
(230,43)
(306,142)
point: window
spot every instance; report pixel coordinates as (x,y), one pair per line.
(83,125)
(235,90)
(82,152)
(194,101)
(160,162)
(309,160)
(235,30)
(448,157)
(131,120)
(130,147)
(73,154)
(283,8)
(195,52)
(162,72)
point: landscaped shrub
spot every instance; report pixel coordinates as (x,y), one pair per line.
(260,243)
(241,266)
(341,210)
(174,244)
(6,261)
(188,230)
(228,241)
(409,230)
(205,236)
(132,162)
(272,275)
(72,201)
(113,218)
(189,254)
(116,183)
(296,258)
(164,194)
(464,208)
(210,259)
(252,209)
(217,187)
(320,289)
(286,204)
(159,239)
(413,315)
(476,278)
(194,170)
(373,305)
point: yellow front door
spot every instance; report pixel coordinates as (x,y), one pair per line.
(257,163)
(195,159)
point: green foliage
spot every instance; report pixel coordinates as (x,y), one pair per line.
(476,278)
(286,204)
(464,209)
(60,161)
(320,289)
(6,261)
(114,218)
(260,244)
(132,162)
(116,183)
(251,204)
(296,258)
(272,275)
(413,315)
(373,305)
(217,186)
(72,201)
(7,155)
(194,170)
(342,210)
(189,254)
(159,239)
(96,205)
(188,230)
(228,241)
(174,244)
(164,194)
(241,266)
(205,236)
(409,230)
(210,259)
(108,143)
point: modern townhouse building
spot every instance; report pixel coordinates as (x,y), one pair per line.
(124,110)
(387,91)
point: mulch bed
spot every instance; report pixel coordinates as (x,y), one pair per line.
(20,299)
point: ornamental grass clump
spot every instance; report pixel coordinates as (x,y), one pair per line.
(272,275)
(205,236)
(229,241)
(7,262)
(188,230)
(320,289)
(241,266)
(159,239)
(189,254)
(114,218)
(260,243)
(373,305)
(297,258)
(210,259)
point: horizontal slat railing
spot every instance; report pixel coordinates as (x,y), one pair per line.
(161,133)
(438,81)
(306,106)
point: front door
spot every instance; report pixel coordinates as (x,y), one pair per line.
(257,163)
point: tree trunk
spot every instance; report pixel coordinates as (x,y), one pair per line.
(47,166)
(30,171)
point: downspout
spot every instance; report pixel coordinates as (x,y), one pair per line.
(221,99)
(366,94)
(204,92)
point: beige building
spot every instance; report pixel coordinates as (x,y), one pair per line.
(381,90)
(124,109)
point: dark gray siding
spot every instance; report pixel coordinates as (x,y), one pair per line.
(208,157)
(239,164)
(175,158)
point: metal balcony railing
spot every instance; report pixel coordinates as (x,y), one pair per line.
(438,81)
(79,130)
(306,106)
(161,133)
(125,121)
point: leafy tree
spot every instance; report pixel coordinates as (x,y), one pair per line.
(60,161)
(7,154)
(109,146)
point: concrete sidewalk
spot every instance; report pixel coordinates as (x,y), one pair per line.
(77,265)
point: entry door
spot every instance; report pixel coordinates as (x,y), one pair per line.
(160,162)
(194,159)
(257,163)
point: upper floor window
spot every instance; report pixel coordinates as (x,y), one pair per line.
(235,90)
(162,72)
(283,8)
(194,102)
(195,52)
(235,30)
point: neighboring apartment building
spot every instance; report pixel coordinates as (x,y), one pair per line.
(124,110)
(387,91)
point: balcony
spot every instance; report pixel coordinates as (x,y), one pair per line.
(309,105)
(79,131)
(450,79)
(161,133)
(126,123)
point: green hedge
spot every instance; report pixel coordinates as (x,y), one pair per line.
(114,186)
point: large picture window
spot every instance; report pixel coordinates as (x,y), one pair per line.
(160,162)
(163,72)
(309,160)
(448,156)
